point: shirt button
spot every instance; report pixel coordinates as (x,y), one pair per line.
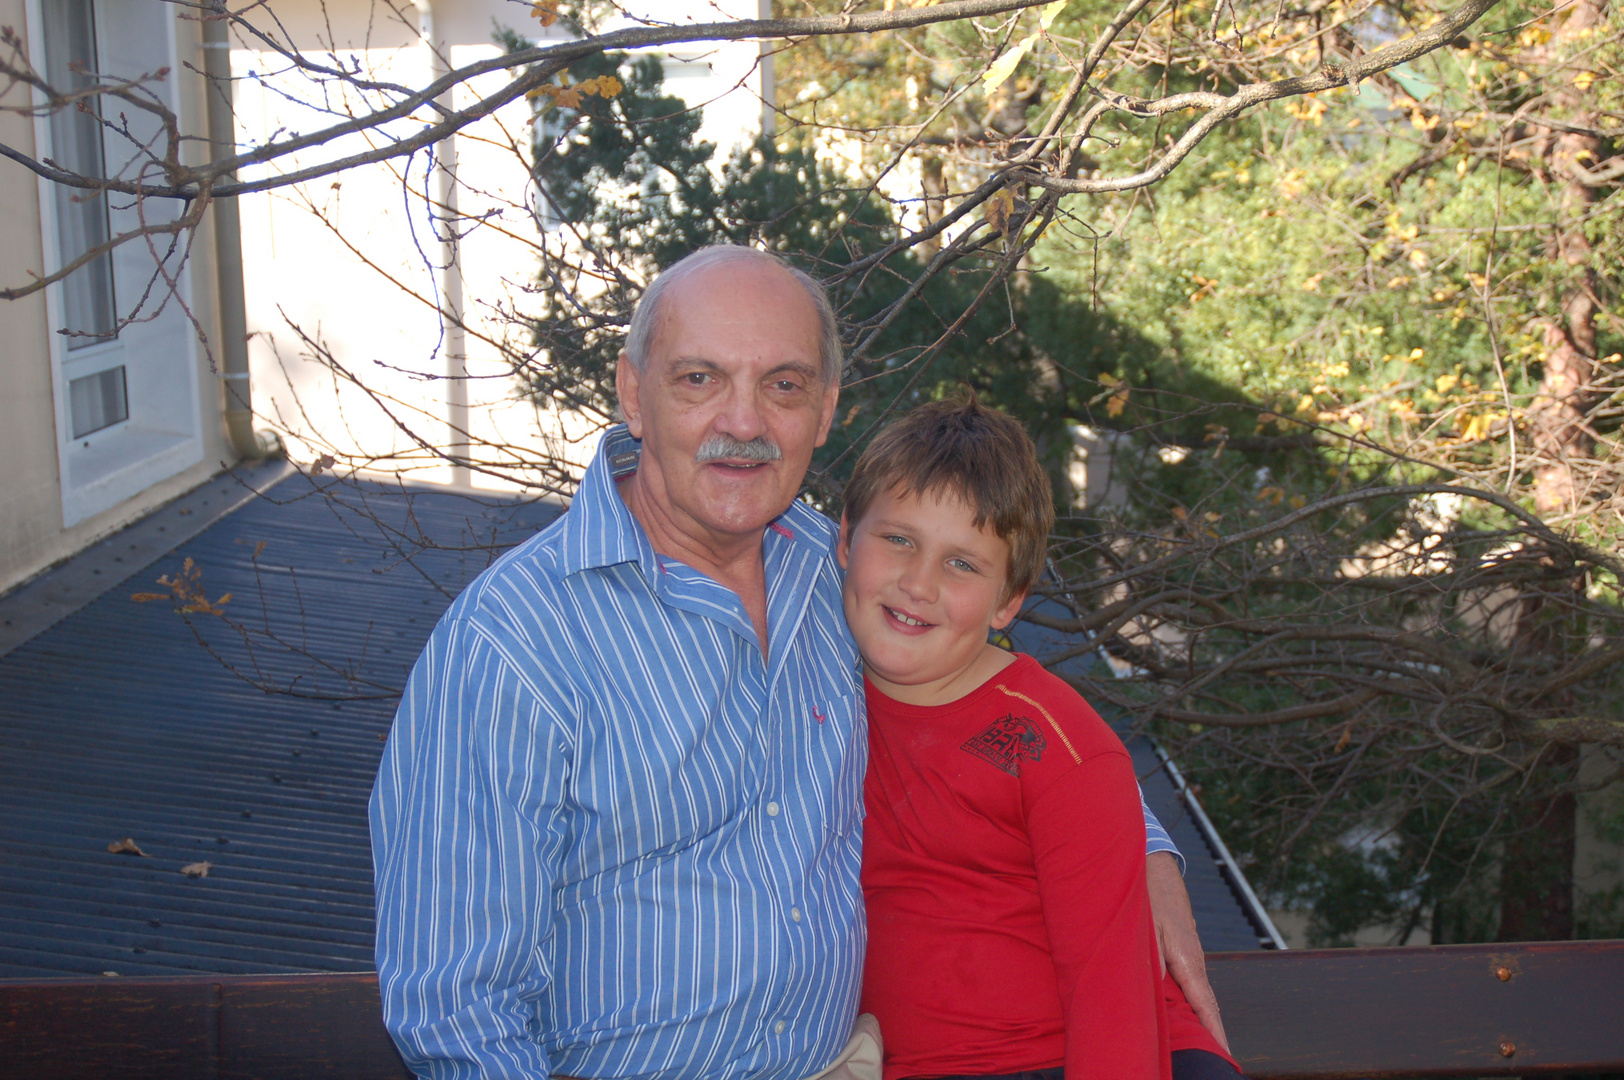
(778,1028)
(795,913)
(772,809)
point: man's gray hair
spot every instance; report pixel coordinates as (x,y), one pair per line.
(646,319)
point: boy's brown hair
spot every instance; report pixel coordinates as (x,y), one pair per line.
(979,454)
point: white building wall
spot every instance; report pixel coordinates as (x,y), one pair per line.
(59,494)
(353,262)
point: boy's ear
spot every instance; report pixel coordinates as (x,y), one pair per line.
(843,545)
(1011,608)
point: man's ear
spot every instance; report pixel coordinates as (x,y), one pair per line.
(831,397)
(627,381)
(1007,612)
(843,545)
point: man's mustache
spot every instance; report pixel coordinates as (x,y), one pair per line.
(727,448)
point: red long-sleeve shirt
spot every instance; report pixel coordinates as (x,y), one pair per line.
(1004,873)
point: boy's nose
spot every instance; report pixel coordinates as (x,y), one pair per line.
(918,583)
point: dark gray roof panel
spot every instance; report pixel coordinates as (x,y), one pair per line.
(117,722)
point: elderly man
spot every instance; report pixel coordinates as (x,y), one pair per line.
(617,826)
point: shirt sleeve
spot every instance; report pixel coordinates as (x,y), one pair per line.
(1156,838)
(1087,841)
(466,836)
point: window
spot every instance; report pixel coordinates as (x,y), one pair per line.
(89,308)
(97,401)
(125,362)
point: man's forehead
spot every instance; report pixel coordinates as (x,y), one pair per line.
(706,315)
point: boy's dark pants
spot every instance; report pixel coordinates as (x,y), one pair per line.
(1187,1065)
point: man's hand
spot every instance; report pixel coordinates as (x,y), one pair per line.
(1178,941)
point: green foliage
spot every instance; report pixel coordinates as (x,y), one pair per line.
(628,180)
(1364,264)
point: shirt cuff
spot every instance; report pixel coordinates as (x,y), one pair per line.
(1156,839)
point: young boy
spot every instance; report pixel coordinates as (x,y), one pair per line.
(1004,849)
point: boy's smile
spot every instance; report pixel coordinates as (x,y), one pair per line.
(923,586)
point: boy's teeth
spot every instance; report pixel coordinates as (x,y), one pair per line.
(905,620)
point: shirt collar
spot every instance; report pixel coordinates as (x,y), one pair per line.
(600,530)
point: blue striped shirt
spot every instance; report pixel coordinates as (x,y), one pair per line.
(610,840)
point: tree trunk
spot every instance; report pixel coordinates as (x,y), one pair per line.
(1536,870)
(1536,883)
(1556,418)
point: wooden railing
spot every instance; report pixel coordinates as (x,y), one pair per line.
(1454,1010)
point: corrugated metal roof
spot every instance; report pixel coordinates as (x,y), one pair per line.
(116,722)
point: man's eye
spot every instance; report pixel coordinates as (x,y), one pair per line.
(696,378)
(786,386)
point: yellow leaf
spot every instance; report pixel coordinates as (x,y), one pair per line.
(1116,403)
(1298,502)
(999,208)
(1107,379)
(1583,80)
(1417,354)
(609,86)
(569,97)
(1180,513)
(1312,284)
(545,10)
(1418,259)
(1003,67)
(1051,12)
(126,846)
(1310,108)
(197,869)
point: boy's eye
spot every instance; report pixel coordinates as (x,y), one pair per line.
(892,538)
(960,564)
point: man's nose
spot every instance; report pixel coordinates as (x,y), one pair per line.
(741,415)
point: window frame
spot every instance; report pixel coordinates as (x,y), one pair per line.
(161,434)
